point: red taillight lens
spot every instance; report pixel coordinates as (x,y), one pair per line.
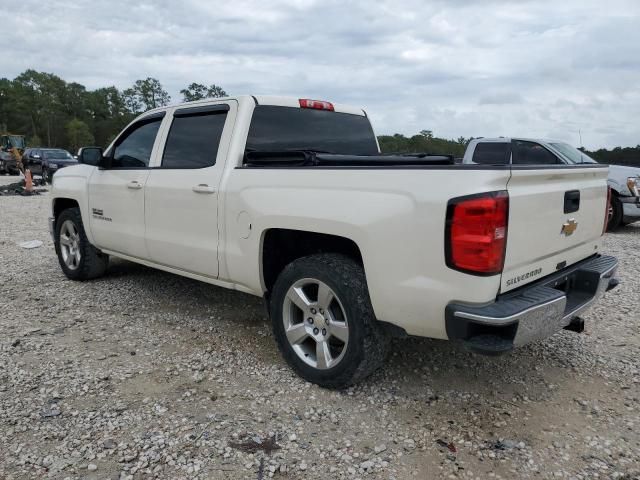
(607,211)
(476,233)
(317,104)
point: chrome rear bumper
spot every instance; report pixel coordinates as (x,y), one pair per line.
(532,312)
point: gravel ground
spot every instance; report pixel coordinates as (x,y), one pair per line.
(145,374)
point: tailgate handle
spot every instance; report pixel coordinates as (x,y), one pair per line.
(571,201)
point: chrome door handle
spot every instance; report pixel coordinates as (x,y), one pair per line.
(134,185)
(204,188)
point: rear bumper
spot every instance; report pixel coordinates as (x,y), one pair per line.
(532,312)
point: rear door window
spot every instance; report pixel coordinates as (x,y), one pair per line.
(275,128)
(193,140)
(492,153)
(531,153)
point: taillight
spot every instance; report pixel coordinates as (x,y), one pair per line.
(316,104)
(607,211)
(476,233)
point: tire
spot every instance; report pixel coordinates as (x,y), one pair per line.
(45,176)
(354,344)
(78,259)
(615,220)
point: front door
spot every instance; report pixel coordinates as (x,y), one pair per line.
(181,193)
(116,194)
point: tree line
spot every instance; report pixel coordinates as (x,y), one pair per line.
(51,112)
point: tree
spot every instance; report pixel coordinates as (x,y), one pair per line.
(39,98)
(145,95)
(198,91)
(107,113)
(78,134)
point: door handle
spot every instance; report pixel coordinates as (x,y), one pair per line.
(204,188)
(134,185)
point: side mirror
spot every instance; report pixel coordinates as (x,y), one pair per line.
(36,157)
(91,156)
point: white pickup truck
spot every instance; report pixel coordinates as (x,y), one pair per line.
(290,200)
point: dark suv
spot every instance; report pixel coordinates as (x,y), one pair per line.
(46,161)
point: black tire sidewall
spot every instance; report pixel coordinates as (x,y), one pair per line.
(72,214)
(354,299)
(616,218)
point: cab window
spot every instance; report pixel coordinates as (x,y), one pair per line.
(133,149)
(194,139)
(531,153)
(492,153)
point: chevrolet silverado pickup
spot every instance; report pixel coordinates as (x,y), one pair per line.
(624,181)
(290,200)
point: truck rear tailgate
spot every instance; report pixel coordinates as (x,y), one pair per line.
(556,217)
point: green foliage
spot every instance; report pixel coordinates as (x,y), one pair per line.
(618,156)
(423,142)
(78,134)
(53,113)
(34,141)
(198,91)
(145,95)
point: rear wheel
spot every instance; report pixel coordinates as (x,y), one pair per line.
(78,259)
(615,214)
(324,323)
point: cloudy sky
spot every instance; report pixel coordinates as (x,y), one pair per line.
(457,67)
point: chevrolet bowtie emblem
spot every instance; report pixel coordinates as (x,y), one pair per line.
(569,227)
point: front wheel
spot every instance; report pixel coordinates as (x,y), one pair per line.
(324,323)
(78,259)
(46,178)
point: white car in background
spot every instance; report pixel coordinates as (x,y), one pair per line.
(624,181)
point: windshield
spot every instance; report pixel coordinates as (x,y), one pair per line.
(16,141)
(573,154)
(57,155)
(285,128)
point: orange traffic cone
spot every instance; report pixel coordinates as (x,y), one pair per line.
(28,181)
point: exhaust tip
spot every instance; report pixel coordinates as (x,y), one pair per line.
(576,325)
(613,283)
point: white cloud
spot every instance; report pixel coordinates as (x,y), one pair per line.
(458,67)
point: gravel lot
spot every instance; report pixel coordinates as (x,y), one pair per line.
(144,373)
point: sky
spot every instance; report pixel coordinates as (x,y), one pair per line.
(459,67)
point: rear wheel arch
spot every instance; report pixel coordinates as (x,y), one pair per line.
(280,247)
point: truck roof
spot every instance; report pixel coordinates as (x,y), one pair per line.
(274,100)
(509,139)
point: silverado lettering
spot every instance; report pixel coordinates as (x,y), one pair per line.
(519,278)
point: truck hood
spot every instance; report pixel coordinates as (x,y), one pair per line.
(624,170)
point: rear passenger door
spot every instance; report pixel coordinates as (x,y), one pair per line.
(181,194)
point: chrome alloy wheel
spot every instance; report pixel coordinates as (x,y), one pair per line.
(70,244)
(315,323)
